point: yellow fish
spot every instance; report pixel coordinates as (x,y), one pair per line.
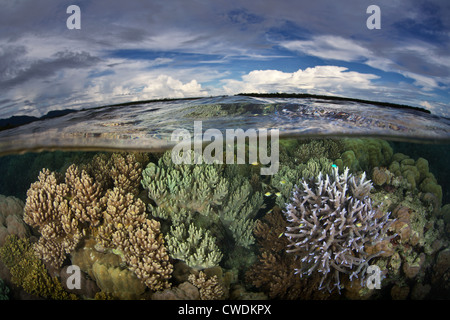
(268,194)
(282,182)
(255,163)
(278,194)
(280,235)
(359,224)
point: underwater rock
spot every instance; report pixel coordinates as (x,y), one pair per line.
(88,288)
(185,291)
(108,271)
(413,264)
(120,282)
(399,292)
(441,269)
(420,291)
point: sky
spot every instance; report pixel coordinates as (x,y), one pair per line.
(138,50)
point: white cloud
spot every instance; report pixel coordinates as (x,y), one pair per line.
(342,49)
(329,47)
(318,80)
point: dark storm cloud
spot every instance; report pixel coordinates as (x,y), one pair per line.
(41,69)
(10,61)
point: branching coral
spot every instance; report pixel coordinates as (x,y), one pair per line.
(210,288)
(194,246)
(138,239)
(273,272)
(211,196)
(70,210)
(121,170)
(289,175)
(331,220)
(60,209)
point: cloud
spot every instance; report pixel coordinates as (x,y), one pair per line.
(319,80)
(202,48)
(18,74)
(161,86)
(329,47)
(419,61)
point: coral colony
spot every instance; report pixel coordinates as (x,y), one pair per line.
(139,226)
(331,219)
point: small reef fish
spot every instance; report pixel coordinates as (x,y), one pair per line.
(268,194)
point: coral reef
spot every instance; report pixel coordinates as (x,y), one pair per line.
(293,152)
(121,170)
(11,218)
(195,246)
(185,291)
(109,271)
(209,288)
(417,236)
(412,175)
(288,176)
(364,154)
(331,220)
(126,229)
(60,210)
(441,271)
(28,271)
(204,231)
(273,273)
(67,212)
(213,197)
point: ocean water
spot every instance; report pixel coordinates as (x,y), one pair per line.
(354,202)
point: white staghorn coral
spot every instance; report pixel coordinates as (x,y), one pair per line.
(331,219)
